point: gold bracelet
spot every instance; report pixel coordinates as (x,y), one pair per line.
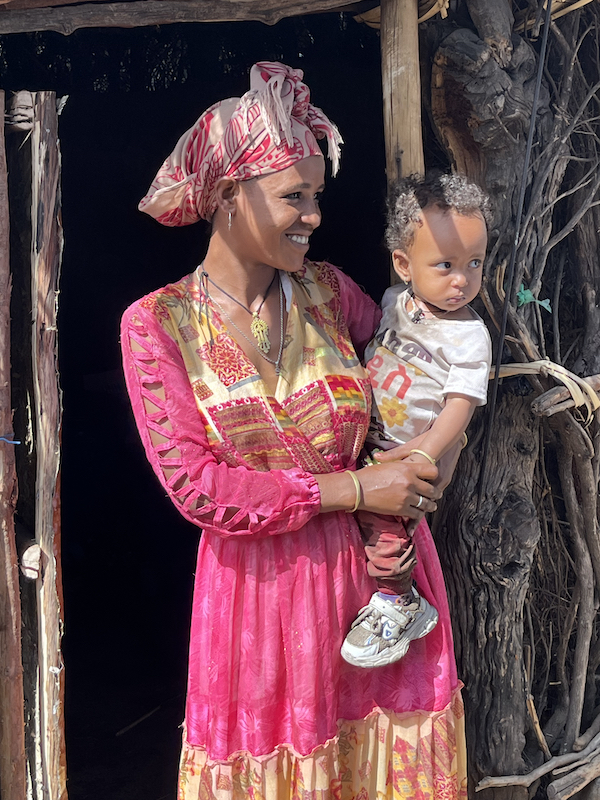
(429,458)
(358,488)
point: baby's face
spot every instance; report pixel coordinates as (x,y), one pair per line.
(444,263)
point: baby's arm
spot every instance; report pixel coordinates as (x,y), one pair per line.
(444,435)
(448,428)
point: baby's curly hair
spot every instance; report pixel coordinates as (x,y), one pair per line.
(411,194)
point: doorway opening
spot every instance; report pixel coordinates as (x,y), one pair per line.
(128,557)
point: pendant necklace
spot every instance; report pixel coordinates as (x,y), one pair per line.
(258,327)
(262,350)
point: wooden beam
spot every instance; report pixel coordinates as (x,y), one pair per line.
(46,251)
(12,740)
(401,81)
(356,7)
(139,13)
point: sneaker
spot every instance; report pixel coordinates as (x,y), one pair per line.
(383,630)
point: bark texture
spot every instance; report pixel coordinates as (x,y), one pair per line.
(487,554)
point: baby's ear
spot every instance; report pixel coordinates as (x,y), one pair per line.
(401,265)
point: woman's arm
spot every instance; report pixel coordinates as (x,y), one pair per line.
(215,496)
(362,314)
(394,488)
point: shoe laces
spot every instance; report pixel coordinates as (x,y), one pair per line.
(373,617)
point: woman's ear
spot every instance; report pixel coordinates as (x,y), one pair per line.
(401,263)
(226,192)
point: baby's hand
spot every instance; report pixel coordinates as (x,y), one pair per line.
(399,453)
(417,458)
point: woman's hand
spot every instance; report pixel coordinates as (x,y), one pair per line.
(394,488)
(446,465)
(401,488)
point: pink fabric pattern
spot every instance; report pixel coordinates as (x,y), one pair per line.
(277,583)
(271,127)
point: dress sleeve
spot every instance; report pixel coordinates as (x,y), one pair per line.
(229,501)
(361,312)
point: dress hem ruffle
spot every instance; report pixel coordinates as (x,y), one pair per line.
(418,754)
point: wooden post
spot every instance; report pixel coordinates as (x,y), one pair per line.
(36,245)
(12,740)
(401,82)
(401,88)
(46,251)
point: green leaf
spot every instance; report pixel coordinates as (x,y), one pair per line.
(525,296)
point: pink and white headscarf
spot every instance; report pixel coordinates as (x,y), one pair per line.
(270,128)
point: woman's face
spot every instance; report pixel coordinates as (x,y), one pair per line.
(276,214)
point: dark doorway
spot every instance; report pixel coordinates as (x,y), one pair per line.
(128,557)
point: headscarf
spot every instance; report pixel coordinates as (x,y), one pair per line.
(271,127)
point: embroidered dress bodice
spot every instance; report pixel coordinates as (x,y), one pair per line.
(315,423)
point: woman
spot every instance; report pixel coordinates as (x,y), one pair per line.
(253,406)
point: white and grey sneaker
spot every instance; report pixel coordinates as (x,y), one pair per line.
(383,630)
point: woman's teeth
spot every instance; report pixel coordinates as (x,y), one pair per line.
(298,239)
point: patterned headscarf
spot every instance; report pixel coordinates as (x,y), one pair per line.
(271,127)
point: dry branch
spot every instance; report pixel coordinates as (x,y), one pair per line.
(493,782)
(585,570)
(45,268)
(585,738)
(559,399)
(570,784)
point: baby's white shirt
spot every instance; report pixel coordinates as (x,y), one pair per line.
(414,366)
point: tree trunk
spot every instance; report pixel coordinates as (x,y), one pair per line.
(481,101)
(487,554)
(481,104)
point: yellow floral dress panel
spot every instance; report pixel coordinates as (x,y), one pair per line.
(387,756)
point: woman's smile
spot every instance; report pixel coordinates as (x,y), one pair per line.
(277,213)
(297,239)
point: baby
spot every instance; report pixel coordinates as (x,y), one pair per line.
(429,366)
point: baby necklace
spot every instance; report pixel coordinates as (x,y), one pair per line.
(418,313)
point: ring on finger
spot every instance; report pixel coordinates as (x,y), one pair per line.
(420,503)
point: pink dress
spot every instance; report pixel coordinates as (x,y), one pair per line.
(273,712)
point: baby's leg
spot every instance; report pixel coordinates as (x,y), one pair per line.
(389,550)
(396,613)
